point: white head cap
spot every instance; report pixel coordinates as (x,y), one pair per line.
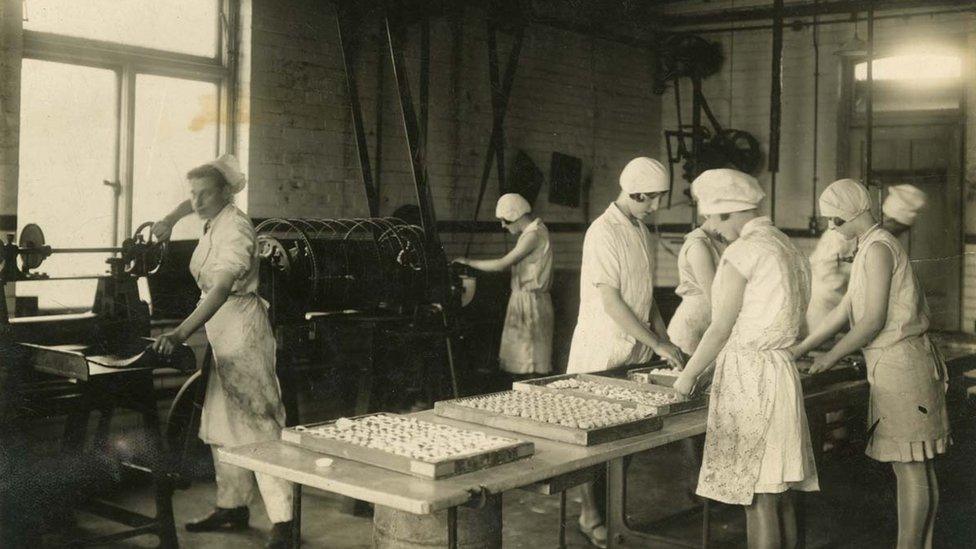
(644,175)
(726,191)
(903,203)
(227,165)
(512,206)
(844,198)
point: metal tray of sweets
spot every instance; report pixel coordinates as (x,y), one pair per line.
(664,409)
(456,409)
(443,467)
(848,369)
(655,375)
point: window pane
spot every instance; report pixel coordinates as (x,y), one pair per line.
(176,130)
(922,68)
(67,149)
(185,26)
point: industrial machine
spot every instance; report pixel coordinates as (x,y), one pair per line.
(97,361)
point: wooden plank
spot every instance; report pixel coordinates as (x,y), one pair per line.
(562,483)
(651,376)
(561,433)
(444,468)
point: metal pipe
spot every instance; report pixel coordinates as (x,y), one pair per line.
(869,100)
(794,10)
(775,100)
(349,50)
(378,148)
(797,23)
(816,124)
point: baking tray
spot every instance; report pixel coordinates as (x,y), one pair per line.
(651,376)
(560,433)
(542,384)
(444,468)
(845,370)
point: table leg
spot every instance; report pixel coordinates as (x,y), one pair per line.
(619,532)
(452,528)
(562,519)
(706,523)
(296,515)
(166,523)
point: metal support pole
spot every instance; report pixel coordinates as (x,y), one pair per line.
(696,134)
(775,107)
(869,101)
(349,50)
(498,111)
(412,133)
(378,148)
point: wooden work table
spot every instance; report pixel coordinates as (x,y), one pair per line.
(552,461)
(420,496)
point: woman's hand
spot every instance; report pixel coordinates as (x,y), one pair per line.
(671,353)
(685,385)
(162,230)
(168,342)
(822,363)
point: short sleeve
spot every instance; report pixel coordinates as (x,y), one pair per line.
(600,258)
(743,256)
(233,247)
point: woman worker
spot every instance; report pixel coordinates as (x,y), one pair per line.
(619,322)
(757,443)
(526,346)
(901,208)
(697,261)
(889,318)
(243,400)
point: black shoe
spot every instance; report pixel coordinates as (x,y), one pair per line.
(280,537)
(221,519)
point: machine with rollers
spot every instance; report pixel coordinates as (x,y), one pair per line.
(72,365)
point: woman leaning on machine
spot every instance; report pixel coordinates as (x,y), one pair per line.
(243,399)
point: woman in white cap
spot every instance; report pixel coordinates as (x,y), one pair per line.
(526,346)
(830,268)
(243,400)
(619,322)
(886,310)
(757,442)
(901,208)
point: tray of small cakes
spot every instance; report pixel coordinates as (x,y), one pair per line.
(408,445)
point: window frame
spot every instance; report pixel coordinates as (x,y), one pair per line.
(130,61)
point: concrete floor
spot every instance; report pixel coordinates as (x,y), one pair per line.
(855,509)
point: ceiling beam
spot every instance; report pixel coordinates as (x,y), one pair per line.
(741,15)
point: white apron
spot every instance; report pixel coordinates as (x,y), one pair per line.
(757,438)
(243,400)
(616,253)
(526,346)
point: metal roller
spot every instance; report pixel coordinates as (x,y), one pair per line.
(370,264)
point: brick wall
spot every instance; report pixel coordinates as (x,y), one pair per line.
(572,94)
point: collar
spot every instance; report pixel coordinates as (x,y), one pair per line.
(755,224)
(617,215)
(861,239)
(210,222)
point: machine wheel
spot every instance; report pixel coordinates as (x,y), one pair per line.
(193,458)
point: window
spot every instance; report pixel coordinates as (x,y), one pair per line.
(911,82)
(119,99)
(183,26)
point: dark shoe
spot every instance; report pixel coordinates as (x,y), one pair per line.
(280,537)
(221,519)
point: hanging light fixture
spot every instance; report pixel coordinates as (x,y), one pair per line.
(855,47)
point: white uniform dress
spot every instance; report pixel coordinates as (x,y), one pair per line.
(693,315)
(830,269)
(907,415)
(526,346)
(616,253)
(243,401)
(757,438)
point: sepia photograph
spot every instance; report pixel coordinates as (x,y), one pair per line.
(494,274)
